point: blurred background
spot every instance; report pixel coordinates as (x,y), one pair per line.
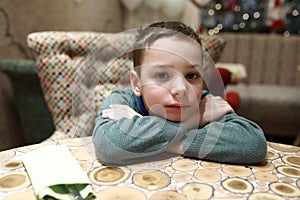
(18,18)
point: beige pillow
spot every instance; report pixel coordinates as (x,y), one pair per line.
(77,70)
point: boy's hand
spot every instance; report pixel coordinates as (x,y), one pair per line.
(212,108)
(117,111)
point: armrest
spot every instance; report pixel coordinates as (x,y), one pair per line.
(18,66)
(35,118)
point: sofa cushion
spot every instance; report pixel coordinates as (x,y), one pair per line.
(77,70)
(275,107)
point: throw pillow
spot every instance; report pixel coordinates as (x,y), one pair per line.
(77,70)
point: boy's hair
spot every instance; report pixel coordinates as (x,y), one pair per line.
(146,36)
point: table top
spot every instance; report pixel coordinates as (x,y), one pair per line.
(175,178)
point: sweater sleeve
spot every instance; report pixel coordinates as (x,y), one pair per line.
(126,141)
(232,139)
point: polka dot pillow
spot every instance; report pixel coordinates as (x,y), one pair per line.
(77,70)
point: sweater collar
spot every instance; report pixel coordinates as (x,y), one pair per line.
(142,106)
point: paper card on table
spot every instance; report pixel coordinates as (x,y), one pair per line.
(55,166)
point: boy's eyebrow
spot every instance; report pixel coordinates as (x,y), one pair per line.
(160,66)
(196,65)
(167,66)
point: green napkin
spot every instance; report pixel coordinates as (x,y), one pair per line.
(55,174)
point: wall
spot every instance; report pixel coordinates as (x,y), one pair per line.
(20,17)
(149,11)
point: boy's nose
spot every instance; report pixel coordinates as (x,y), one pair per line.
(179,86)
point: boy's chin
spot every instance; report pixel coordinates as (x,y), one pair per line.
(167,117)
(177,119)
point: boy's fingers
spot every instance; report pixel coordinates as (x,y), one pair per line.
(117,106)
(106,110)
(107,113)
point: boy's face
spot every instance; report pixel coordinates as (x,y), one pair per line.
(170,81)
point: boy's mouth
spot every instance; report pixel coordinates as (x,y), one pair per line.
(177,106)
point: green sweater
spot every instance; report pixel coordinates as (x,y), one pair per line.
(232,139)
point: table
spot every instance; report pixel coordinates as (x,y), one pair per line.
(175,178)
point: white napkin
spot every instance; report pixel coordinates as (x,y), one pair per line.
(53,169)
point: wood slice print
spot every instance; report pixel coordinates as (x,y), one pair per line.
(85,165)
(182,177)
(271,155)
(289,171)
(12,165)
(237,185)
(284,147)
(159,164)
(25,149)
(227,196)
(139,166)
(286,179)
(185,165)
(13,181)
(28,195)
(210,165)
(151,179)
(81,154)
(72,142)
(263,166)
(285,189)
(265,177)
(292,160)
(167,195)
(266,196)
(235,170)
(106,175)
(196,191)
(121,193)
(207,175)
(7,155)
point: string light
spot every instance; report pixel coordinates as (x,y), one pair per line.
(295,13)
(249,16)
(245,16)
(256,15)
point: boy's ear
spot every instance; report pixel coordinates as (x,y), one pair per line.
(135,82)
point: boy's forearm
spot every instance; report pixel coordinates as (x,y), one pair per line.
(235,140)
(127,140)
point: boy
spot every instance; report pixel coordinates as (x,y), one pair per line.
(166,112)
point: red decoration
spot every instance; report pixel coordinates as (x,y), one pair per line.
(275,18)
(200,3)
(196,3)
(233,98)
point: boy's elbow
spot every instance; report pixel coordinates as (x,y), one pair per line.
(109,158)
(108,154)
(256,151)
(262,152)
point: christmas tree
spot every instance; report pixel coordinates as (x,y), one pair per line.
(263,16)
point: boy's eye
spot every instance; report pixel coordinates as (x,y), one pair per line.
(161,75)
(193,76)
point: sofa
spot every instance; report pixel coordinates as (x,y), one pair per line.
(26,119)
(77,70)
(270,94)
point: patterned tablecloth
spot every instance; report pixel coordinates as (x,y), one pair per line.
(177,178)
